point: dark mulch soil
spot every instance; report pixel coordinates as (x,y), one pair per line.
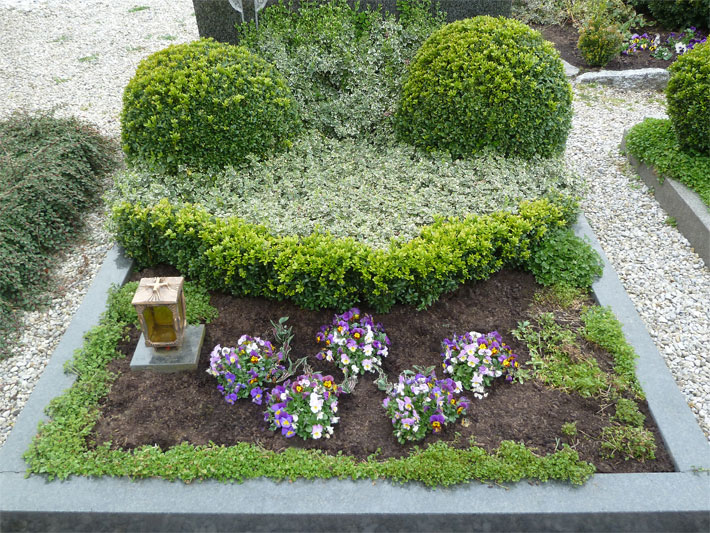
(167,409)
(565,38)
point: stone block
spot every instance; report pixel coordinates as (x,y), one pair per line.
(184,358)
(644,78)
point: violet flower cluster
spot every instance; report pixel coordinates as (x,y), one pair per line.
(676,42)
(476,360)
(243,371)
(354,343)
(307,407)
(420,404)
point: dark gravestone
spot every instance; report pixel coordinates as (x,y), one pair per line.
(217,18)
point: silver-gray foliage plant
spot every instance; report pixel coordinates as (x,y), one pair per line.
(353,189)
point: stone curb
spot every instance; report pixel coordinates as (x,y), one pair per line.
(678,501)
(691,214)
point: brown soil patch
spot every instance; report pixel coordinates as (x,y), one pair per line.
(565,38)
(167,409)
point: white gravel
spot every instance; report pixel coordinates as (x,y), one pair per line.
(77,57)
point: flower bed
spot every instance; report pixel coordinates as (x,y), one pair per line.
(179,426)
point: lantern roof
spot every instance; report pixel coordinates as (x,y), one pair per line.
(157,291)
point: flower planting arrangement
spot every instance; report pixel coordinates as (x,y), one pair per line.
(476,360)
(243,371)
(306,407)
(418,404)
(354,343)
(357,90)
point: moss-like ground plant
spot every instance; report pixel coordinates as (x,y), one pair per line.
(60,449)
(655,143)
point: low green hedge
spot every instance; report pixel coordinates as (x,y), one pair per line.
(320,271)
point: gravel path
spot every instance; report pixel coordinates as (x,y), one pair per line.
(77,57)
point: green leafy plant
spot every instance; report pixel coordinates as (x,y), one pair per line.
(654,142)
(205,105)
(688,97)
(569,429)
(556,359)
(628,414)
(51,171)
(565,259)
(604,329)
(343,65)
(319,271)
(675,14)
(629,442)
(600,41)
(486,83)
(372,192)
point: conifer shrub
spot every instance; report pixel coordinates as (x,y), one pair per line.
(486,83)
(688,96)
(205,105)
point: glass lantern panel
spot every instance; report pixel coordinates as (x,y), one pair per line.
(159,320)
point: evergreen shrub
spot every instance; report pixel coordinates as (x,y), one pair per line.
(679,14)
(320,271)
(205,105)
(486,83)
(599,41)
(688,96)
(51,171)
(343,65)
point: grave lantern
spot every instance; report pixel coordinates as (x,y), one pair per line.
(160,304)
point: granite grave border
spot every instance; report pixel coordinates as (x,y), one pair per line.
(678,501)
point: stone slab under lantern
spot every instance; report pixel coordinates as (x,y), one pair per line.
(181,359)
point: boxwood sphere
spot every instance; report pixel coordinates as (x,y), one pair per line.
(205,105)
(486,83)
(688,96)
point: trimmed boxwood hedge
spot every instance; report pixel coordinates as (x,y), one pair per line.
(205,105)
(320,271)
(688,95)
(486,83)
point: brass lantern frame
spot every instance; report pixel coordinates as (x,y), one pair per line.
(152,301)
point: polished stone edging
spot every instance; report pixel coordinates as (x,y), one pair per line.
(691,214)
(607,502)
